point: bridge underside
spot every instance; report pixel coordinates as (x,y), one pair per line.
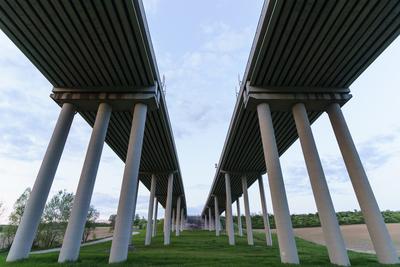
(304,52)
(99,58)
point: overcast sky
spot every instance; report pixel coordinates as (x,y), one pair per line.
(202,48)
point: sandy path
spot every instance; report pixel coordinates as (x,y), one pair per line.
(356,236)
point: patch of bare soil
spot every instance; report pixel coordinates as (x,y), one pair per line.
(356,236)
(100,232)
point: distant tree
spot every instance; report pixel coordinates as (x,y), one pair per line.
(112,219)
(139,222)
(58,209)
(19,207)
(90,224)
(16,216)
(54,219)
(1,208)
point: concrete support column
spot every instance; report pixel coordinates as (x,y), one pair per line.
(76,224)
(127,201)
(134,215)
(149,229)
(178,216)
(205,223)
(210,220)
(182,219)
(216,216)
(173,223)
(249,228)
(239,218)
(287,245)
(228,211)
(155,217)
(34,208)
(380,237)
(330,227)
(267,228)
(168,209)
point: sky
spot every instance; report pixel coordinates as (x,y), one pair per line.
(202,49)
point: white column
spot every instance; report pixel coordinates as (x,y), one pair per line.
(249,228)
(155,217)
(178,216)
(287,244)
(267,228)
(228,211)
(380,237)
(76,224)
(133,215)
(127,202)
(205,222)
(168,209)
(30,220)
(150,211)
(216,215)
(239,218)
(326,212)
(182,219)
(173,221)
(210,221)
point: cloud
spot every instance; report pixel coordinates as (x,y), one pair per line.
(375,153)
(202,81)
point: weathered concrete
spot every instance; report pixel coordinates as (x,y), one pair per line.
(76,224)
(287,244)
(228,210)
(149,228)
(168,210)
(267,229)
(127,201)
(380,237)
(334,240)
(249,228)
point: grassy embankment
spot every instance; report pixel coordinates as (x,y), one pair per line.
(197,248)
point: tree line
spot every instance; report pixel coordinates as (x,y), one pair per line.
(312,219)
(53,222)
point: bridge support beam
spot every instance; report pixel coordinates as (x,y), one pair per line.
(168,209)
(127,201)
(380,237)
(173,223)
(216,216)
(155,217)
(267,228)
(76,224)
(239,218)
(134,213)
(228,210)
(210,220)
(149,227)
(178,216)
(205,222)
(249,227)
(287,245)
(26,232)
(330,227)
(183,219)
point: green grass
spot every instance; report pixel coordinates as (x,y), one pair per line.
(197,248)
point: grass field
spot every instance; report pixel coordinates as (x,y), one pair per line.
(197,248)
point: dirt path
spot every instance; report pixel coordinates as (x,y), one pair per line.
(356,236)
